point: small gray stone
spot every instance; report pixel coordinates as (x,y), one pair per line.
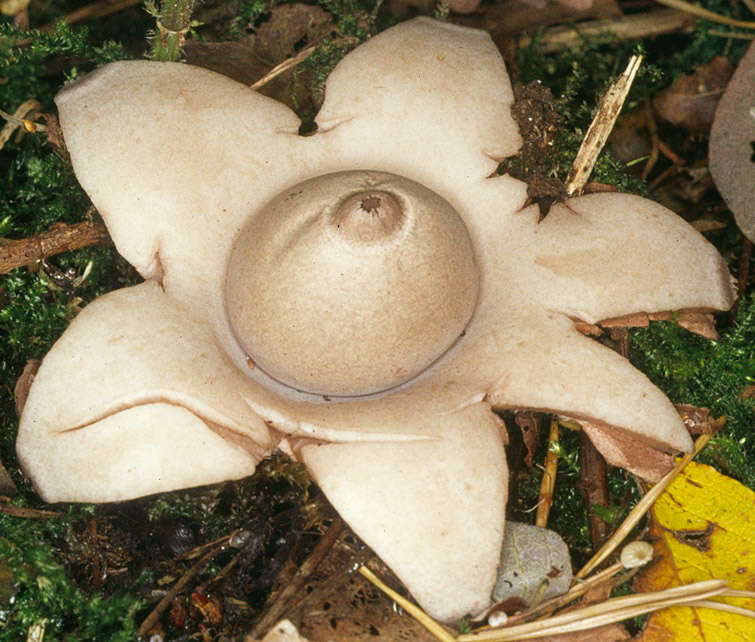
(535,565)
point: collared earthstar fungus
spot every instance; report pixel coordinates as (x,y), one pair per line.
(368,294)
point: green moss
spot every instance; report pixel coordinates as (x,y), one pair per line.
(712,374)
(24,58)
(40,590)
(279,483)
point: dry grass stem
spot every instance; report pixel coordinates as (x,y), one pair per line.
(548,482)
(607,612)
(417,613)
(704,13)
(600,128)
(18,119)
(637,513)
(736,593)
(284,66)
(572,594)
(722,606)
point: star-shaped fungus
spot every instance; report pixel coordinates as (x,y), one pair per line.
(370,293)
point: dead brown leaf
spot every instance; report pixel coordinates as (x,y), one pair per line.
(23,384)
(338,604)
(701,323)
(284,631)
(290,28)
(691,101)
(698,420)
(7,487)
(529,424)
(504,19)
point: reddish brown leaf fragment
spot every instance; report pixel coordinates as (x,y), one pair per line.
(593,486)
(698,420)
(177,613)
(23,384)
(627,452)
(698,321)
(588,329)
(529,424)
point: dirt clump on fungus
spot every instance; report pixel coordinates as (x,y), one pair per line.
(538,124)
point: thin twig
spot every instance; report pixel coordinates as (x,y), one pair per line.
(593,487)
(548,482)
(704,13)
(18,119)
(637,513)
(60,237)
(27,513)
(573,593)
(284,66)
(730,34)
(91,11)
(298,58)
(600,128)
(278,607)
(743,273)
(647,24)
(156,612)
(412,609)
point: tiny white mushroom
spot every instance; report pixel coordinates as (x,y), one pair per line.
(636,554)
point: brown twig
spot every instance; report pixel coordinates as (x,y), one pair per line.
(647,24)
(60,237)
(152,619)
(27,513)
(278,607)
(743,276)
(91,12)
(593,486)
(548,482)
(704,13)
(636,514)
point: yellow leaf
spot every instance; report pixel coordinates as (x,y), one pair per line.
(705,528)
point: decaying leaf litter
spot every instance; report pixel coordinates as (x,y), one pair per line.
(40,355)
